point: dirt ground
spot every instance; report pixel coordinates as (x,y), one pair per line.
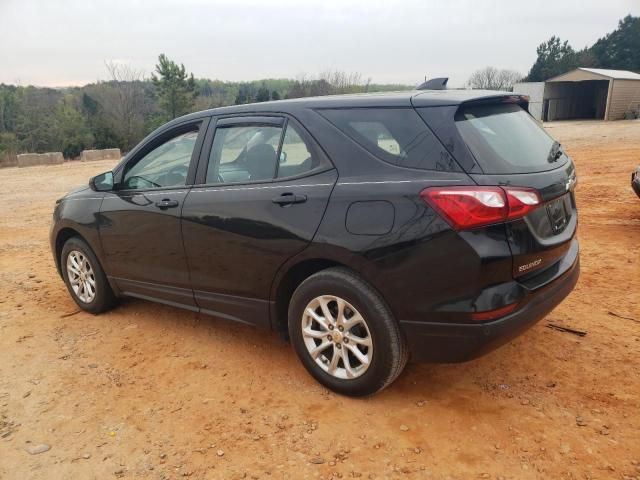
(149,391)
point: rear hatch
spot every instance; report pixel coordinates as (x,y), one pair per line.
(499,144)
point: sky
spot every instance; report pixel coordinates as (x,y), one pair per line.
(62,43)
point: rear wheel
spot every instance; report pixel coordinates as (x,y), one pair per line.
(84,277)
(344,333)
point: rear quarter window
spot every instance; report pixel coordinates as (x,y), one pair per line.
(395,135)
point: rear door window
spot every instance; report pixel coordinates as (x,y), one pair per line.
(396,135)
(244,153)
(506,139)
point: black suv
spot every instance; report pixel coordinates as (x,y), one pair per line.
(368,227)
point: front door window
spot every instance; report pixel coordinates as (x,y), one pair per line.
(164,166)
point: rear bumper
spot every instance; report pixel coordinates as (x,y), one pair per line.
(450,342)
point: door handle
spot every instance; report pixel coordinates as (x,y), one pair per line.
(167,203)
(289,199)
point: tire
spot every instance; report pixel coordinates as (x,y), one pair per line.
(99,297)
(376,366)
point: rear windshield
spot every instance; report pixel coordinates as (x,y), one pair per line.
(505,139)
(396,135)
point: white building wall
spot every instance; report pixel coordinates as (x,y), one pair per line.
(535,92)
(624,96)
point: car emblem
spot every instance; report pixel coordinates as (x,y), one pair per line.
(571,182)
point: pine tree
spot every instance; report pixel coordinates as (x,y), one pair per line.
(620,49)
(176,89)
(263,95)
(554,58)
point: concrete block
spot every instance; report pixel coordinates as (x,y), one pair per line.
(105,154)
(32,159)
(9,160)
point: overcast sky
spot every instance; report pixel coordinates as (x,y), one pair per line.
(60,43)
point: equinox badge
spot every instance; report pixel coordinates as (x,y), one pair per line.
(527,266)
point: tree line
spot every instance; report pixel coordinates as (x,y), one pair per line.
(119,112)
(618,50)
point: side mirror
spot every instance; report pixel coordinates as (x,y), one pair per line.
(283,157)
(102,182)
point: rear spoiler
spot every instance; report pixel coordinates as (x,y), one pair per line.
(522,100)
(449,97)
(499,98)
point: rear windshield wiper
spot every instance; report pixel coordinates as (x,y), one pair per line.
(555,153)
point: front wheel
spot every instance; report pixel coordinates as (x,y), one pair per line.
(344,333)
(84,277)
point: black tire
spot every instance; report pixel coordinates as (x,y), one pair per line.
(104,298)
(389,353)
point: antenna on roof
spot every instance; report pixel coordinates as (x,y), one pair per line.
(434,84)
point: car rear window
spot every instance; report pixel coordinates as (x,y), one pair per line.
(396,135)
(505,139)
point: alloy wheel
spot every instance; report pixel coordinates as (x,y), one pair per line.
(337,337)
(81,276)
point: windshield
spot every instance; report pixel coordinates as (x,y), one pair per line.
(506,139)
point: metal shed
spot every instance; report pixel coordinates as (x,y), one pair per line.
(584,93)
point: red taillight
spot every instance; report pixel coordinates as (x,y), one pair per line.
(521,201)
(469,207)
(491,314)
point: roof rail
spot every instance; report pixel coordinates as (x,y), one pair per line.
(434,84)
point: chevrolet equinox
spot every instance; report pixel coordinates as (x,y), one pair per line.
(365,227)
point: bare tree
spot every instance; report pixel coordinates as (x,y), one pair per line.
(345,82)
(329,82)
(491,78)
(123,102)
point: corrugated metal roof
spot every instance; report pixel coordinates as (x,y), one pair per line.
(583,73)
(617,74)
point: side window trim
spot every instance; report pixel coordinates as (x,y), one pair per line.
(203,160)
(156,141)
(283,132)
(324,163)
(250,120)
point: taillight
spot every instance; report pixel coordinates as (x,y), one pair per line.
(521,201)
(474,206)
(493,314)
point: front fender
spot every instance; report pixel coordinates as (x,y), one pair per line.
(76,215)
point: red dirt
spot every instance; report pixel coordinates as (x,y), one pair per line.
(154,392)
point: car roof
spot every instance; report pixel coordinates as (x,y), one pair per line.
(415,98)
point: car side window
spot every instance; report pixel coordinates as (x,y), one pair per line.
(164,166)
(378,134)
(395,135)
(244,153)
(295,157)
